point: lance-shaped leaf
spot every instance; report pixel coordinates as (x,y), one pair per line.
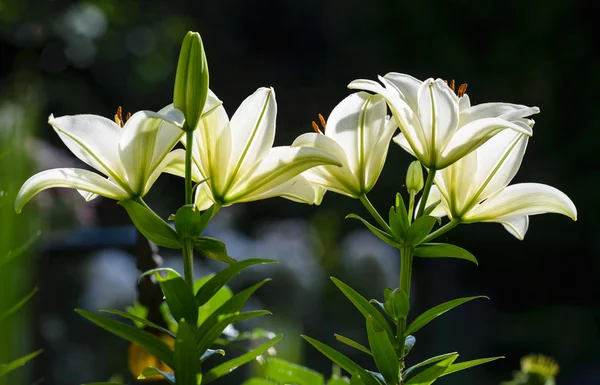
(443,250)
(150,373)
(141,320)
(343,361)
(13,309)
(384,354)
(210,330)
(428,361)
(365,307)
(213,248)
(7,368)
(178,293)
(387,238)
(229,366)
(187,359)
(469,364)
(211,352)
(352,343)
(286,372)
(437,311)
(258,381)
(151,225)
(210,288)
(419,230)
(151,343)
(432,373)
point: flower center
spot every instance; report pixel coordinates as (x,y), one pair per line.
(316,126)
(540,364)
(119,117)
(462,89)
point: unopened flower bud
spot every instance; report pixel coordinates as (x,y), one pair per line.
(414,177)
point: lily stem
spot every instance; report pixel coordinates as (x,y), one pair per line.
(411,207)
(442,230)
(369,206)
(188,261)
(406,261)
(426,190)
(188,244)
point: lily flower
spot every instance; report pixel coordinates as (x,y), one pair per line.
(358,133)
(437,125)
(476,188)
(237,161)
(128,153)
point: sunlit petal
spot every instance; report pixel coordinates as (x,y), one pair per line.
(517,226)
(438,112)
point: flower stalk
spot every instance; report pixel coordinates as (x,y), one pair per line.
(426,191)
(369,206)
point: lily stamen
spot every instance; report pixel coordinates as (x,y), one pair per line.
(461,90)
(315,126)
(119,117)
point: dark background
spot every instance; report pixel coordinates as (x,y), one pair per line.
(73,57)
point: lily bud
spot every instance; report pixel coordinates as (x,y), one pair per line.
(397,305)
(191,80)
(414,177)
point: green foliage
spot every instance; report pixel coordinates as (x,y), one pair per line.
(151,225)
(213,248)
(189,222)
(443,250)
(384,354)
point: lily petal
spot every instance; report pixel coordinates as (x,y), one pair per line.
(506,111)
(253,127)
(523,199)
(438,113)
(402,142)
(174,164)
(93,139)
(407,85)
(282,164)
(297,189)
(517,226)
(474,134)
(376,154)
(68,177)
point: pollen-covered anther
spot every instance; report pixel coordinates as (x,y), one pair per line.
(462,90)
(323,122)
(119,116)
(127,116)
(316,127)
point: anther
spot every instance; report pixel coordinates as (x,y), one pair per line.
(452,85)
(119,116)
(323,123)
(462,90)
(127,116)
(316,127)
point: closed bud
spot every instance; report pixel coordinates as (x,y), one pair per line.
(414,177)
(397,304)
(191,80)
(189,222)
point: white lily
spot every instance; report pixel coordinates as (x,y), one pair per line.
(476,188)
(358,133)
(129,154)
(238,161)
(437,125)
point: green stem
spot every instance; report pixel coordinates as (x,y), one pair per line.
(426,190)
(188,261)
(406,261)
(411,207)
(442,230)
(189,142)
(369,206)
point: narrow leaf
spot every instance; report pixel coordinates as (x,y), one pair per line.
(419,230)
(151,343)
(352,343)
(259,381)
(250,314)
(211,352)
(18,305)
(387,238)
(287,373)
(469,364)
(187,360)
(384,354)
(7,368)
(428,361)
(150,372)
(231,365)
(343,361)
(178,294)
(213,248)
(429,209)
(143,321)
(210,288)
(151,225)
(443,250)
(432,373)
(365,307)
(12,254)
(210,331)
(437,311)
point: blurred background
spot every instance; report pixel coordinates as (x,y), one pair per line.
(74,57)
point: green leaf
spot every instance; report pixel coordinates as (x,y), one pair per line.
(210,331)
(178,294)
(142,321)
(428,361)
(469,364)
(384,354)
(258,381)
(365,307)
(420,228)
(229,366)
(151,225)
(211,352)
(151,371)
(188,222)
(443,250)
(429,209)
(343,361)
(12,254)
(398,218)
(103,383)
(191,80)
(187,360)
(138,310)
(338,380)
(17,306)
(437,311)
(151,343)
(251,314)
(215,302)
(287,373)
(352,343)
(432,373)
(387,238)
(213,248)
(210,288)
(7,368)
